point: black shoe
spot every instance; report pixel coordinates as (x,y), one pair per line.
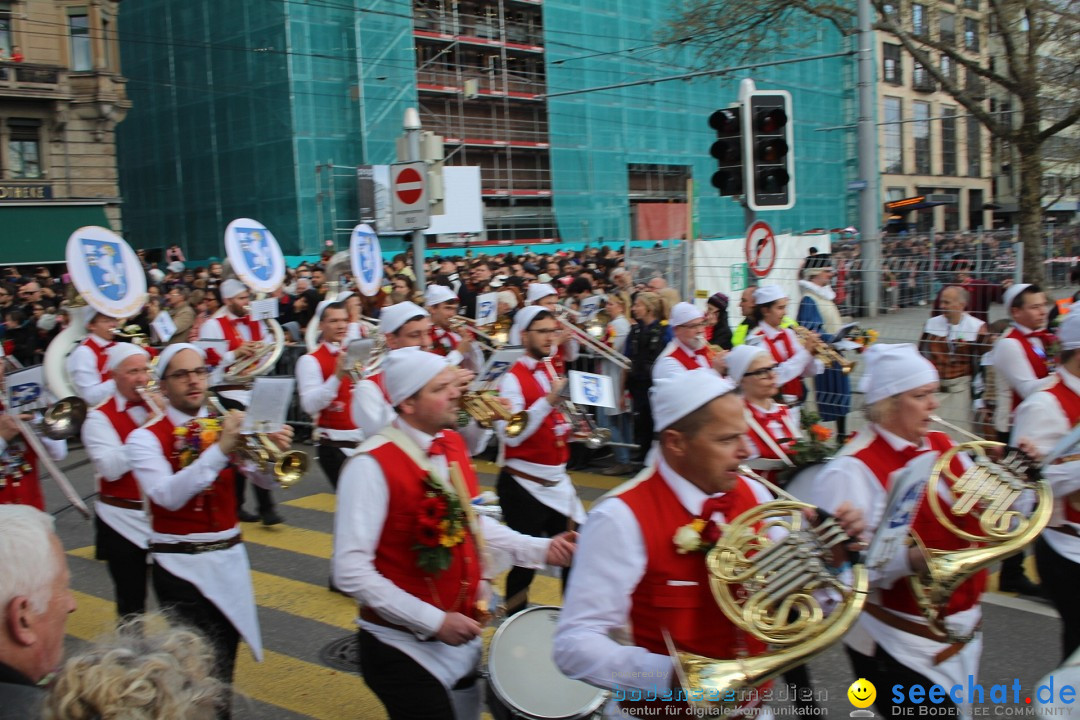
(270,517)
(246,516)
(1021,585)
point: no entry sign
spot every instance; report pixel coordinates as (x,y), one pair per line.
(409,201)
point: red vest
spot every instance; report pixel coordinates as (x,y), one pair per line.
(687,360)
(101,357)
(212,510)
(25,490)
(1070,405)
(781,349)
(125,487)
(543,447)
(233,337)
(763,448)
(454,589)
(443,342)
(688,612)
(880,457)
(1038,364)
(338,414)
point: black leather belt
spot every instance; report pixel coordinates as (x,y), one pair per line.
(195,548)
(343,444)
(121,502)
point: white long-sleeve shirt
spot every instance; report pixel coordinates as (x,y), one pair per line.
(363,502)
(110,457)
(211,330)
(82,369)
(1013,373)
(800,364)
(316,394)
(667,366)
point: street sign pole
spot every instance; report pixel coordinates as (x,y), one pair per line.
(412,145)
(869,207)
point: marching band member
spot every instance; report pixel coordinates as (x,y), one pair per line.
(818,313)
(629,571)
(1021,367)
(535,492)
(86,363)
(20,474)
(459,349)
(402,325)
(892,643)
(183,468)
(772,427)
(243,337)
(357,327)
(688,349)
(1043,419)
(122,528)
(765,329)
(568,347)
(326,387)
(420,626)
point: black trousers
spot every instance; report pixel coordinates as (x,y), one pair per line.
(643,419)
(884,671)
(524,513)
(1060,578)
(184,601)
(127,568)
(408,691)
(330,460)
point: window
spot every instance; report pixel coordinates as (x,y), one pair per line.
(24,148)
(920,78)
(893,146)
(79,28)
(891,10)
(920,128)
(947,28)
(971,4)
(971,34)
(891,71)
(948,67)
(918,20)
(106,39)
(5,29)
(974,147)
(948,140)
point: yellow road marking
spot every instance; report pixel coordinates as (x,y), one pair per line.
(325,502)
(285,537)
(580,479)
(313,602)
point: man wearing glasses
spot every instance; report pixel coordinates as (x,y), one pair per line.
(201,569)
(687,349)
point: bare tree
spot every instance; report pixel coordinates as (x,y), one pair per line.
(1033,54)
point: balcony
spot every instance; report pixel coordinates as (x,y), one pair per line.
(489,132)
(33,80)
(528,37)
(485,83)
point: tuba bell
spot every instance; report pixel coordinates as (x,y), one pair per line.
(63,419)
(288,466)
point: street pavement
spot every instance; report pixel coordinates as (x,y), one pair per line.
(300,618)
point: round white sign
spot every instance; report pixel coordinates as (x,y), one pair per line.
(254,255)
(366,257)
(106,271)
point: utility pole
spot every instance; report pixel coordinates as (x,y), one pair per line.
(869,209)
(412,151)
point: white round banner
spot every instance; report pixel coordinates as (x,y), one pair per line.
(106,271)
(254,255)
(367,264)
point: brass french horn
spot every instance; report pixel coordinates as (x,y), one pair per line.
(486,409)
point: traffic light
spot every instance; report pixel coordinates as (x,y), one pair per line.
(768,149)
(432,153)
(728,150)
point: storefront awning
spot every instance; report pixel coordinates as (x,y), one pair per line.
(39,233)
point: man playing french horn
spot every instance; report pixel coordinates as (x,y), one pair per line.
(641,561)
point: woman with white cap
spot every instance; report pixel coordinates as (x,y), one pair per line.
(795,361)
(892,643)
(772,427)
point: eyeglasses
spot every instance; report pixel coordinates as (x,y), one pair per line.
(182,375)
(762,372)
(693,326)
(548,331)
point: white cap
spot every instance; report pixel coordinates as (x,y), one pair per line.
(508,298)
(537,291)
(524,318)
(544,278)
(1012,293)
(889,370)
(683,313)
(169,353)
(1069,330)
(321,307)
(768,293)
(120,352)
(231,288)
(676,397)
(436,294)
(408,370)
(393,317)
(739,359)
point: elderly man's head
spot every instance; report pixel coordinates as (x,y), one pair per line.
(34,592)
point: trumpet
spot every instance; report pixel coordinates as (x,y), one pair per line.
(489,342)
(583,427)
(485,408)
(826,353)
(288,466)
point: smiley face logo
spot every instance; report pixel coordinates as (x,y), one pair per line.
(862,693)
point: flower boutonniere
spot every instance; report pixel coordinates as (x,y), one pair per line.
(193,437)
(440,526)
(700,535)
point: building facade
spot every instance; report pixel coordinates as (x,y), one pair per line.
(266,110)
(61,97)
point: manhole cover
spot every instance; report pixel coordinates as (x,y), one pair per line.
(343,654)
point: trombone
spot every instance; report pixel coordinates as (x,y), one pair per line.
(288,466)
(489,342)
(825,352)
(587,336)
(583,427)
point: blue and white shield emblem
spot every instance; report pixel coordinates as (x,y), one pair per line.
(107,268)
(591,387)
(366,261)
(903,515)
(256,251)
(366,256)
(25,394)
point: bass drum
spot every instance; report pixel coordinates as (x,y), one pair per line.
(523,682)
